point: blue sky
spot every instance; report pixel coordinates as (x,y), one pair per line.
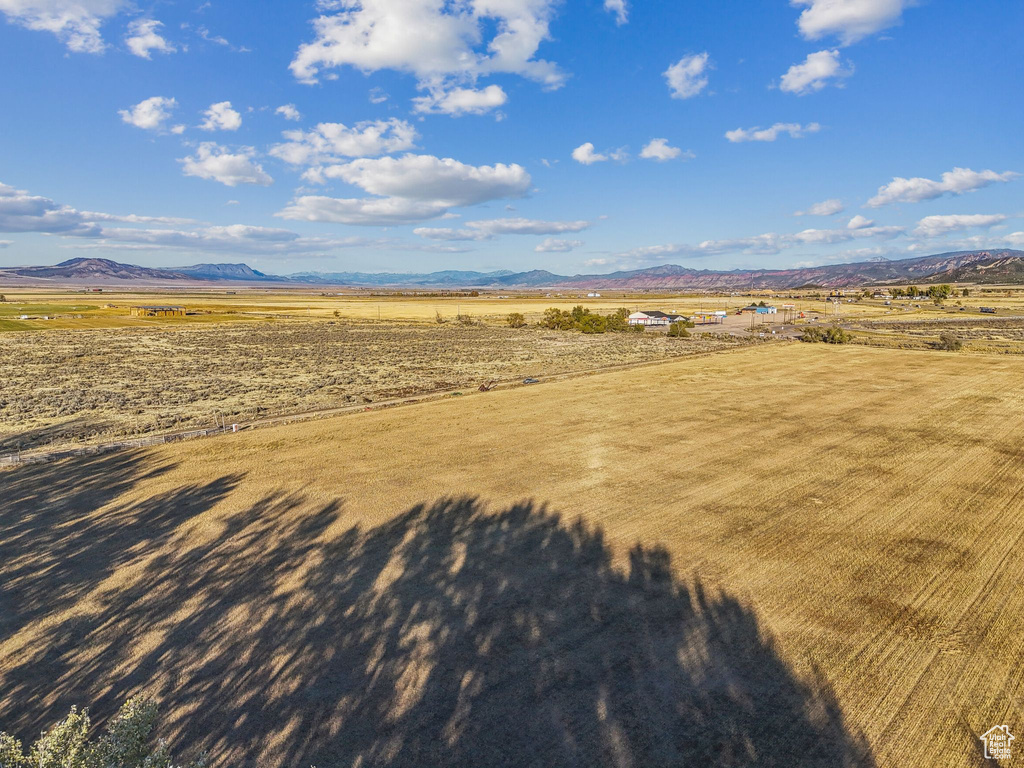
(575,136)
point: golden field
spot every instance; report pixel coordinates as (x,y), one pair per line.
(68,387)
(110,309)
(785,555)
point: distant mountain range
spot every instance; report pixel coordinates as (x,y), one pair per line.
(996,266)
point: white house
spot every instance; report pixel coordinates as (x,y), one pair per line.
(654,317)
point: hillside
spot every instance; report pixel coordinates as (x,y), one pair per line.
(996,266)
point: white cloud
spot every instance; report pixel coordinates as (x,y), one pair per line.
(6,243)
(149,114)
(378,96)
(794,130)
(486,229)
(22,212)
(461,101)
(859,222)
(767,244)
(933,226)
(133,218)
(425,177)
(619,8)
(234,238)
(143,38)
(214,162)
(448,233)
(659,149)
(554,245)
(221,117)
(288,112)
(408,189)
(849,20)
(75,22)
(585,154)
(330,141)
(688,76)
(955,182)
(816,71)
(828,207)
(435,40)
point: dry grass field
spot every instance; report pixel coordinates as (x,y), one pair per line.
(63,387)
(788,555)
(110,309)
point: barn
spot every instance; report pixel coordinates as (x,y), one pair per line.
(158,311)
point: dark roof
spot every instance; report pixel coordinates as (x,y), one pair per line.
(657,313)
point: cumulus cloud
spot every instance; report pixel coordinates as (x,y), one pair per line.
(828,207)
(408,189)
(143,38)
(288,112)
(149,114)
(461,101)
(688,76)
(76,23)
(554,245)
(585,154)
(22,212)
(954,182)
(619,9)
(434,40)
(221,117)
(933,226)
(859,222)
(814,73)
(331,141)
(659,149)
(214,162)
(849,20)
(794,130)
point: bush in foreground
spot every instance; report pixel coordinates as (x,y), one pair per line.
(517,320)
(831,335)
(678,330)
(124,745)
(949,342)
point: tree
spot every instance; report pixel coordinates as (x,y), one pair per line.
(678,330)
(589,323)
(965,292)
(557,319)
(517,320)
(2,298)
(896,292)
(579,312)
(337,313)
(950,342)
(124,745)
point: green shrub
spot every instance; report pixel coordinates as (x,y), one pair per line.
(949,342)
(589,323)
(124,745)
(831,335)
(678,330)
(517,320)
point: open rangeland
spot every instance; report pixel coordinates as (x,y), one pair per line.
(788,555)
(68,387)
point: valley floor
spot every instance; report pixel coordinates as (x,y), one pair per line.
(788,555)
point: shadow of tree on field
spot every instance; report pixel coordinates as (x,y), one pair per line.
(453,635)
(53,433)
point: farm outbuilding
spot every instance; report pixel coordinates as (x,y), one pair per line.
(158,311)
